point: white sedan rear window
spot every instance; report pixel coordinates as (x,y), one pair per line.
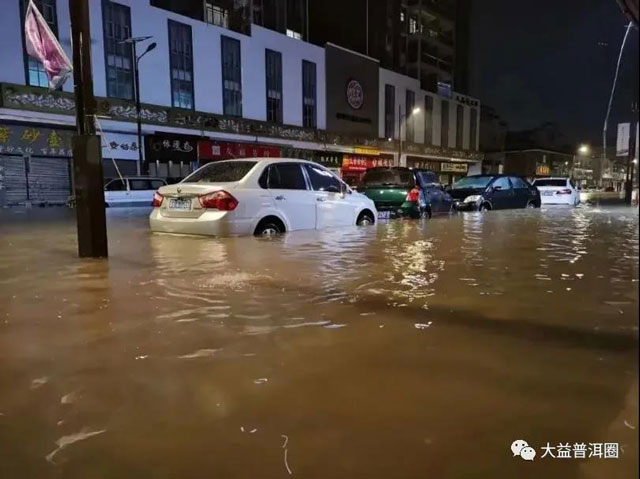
(221,172)
(551,183)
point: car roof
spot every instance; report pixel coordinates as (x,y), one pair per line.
(265,160)
(129,177)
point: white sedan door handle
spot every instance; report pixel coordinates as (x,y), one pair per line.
(320,198)
(280,198)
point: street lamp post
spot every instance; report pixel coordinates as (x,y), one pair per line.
(136,78)
(415,111)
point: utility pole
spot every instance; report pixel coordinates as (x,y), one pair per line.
(399,133)
(138,118)
(87,154)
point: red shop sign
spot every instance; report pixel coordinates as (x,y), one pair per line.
(360,163)
(222,150)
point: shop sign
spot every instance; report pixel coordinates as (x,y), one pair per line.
(542,170)
(361,150)
(359,163)
(328,159)
(209,150)
(423,164)
(33,140)
(454,167)
(355,94)
(168,147)
(120,146)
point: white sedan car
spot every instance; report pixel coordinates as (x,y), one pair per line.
(258,196)
(557,191)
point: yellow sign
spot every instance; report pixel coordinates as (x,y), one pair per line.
(454,167)
(366,151)
(542,170)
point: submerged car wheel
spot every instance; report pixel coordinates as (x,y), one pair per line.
(531,205)
(365,219)
(484,207)
(425,214)
(268,228)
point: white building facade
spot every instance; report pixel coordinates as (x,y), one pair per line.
(207,93)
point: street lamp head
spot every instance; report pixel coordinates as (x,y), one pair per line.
(151,46)
(135,39)
(389,139)
(584,149)
(416,110)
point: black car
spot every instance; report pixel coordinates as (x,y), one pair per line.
(494,192)
(400,192)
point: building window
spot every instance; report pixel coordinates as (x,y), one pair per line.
(389,111)
(231,77)
(294,34)
(473,126)
(428,120)
(216,15)
(273,67)
(308,94)
(181,64)
(459,126)
(444,124)
(116,24)
(410,118)
(35,74)
(413,25)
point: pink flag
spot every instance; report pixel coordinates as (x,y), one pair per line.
(42,45)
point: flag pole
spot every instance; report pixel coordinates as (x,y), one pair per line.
(87,154)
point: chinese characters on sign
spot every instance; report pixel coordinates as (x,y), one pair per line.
(114,145)
(220,150)
(175,146)
(27,140)
(169,147)
(363,163)
(454,167)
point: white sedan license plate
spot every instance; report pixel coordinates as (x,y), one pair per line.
(179,204)
(547,193)
(384,215)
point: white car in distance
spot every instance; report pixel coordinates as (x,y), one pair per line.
(557,191)
(131,191)
(258,196)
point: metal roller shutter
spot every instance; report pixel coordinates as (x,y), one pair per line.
(13,181)
(49,181)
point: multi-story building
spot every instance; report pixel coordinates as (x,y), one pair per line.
(424,39)
(217,85)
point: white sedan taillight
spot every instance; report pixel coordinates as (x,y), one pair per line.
(157,200)
(218,200)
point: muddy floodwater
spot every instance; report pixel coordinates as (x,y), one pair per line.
(405,350)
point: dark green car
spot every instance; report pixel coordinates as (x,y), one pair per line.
(403,192)
(389,189)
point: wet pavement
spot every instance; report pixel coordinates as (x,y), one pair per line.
(405,350)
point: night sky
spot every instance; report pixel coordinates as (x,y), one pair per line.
(541,61)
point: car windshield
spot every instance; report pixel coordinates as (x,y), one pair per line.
(428,177)
(221,172)
(556,182)
(472,182)
(389,177)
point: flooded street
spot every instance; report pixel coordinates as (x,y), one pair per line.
(406,350)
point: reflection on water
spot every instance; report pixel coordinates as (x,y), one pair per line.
(379,352)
